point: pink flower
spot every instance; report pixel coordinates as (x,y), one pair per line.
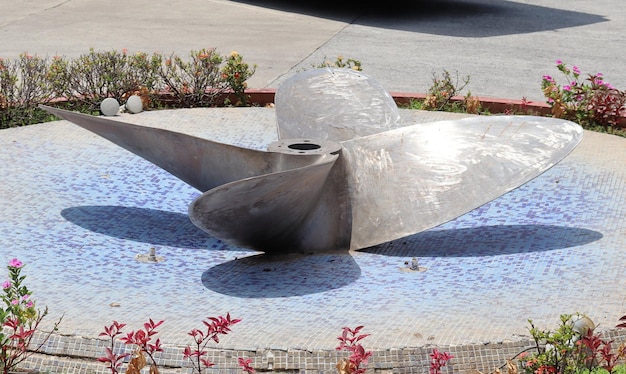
(567,87)
(548,78)
(6,284)
(576,70)
(15,263)
(15,302)
(559,62)
(29,304)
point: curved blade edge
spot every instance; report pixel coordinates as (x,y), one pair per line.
(412,179)
(298,210)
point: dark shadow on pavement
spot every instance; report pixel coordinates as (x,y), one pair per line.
(274,276)
(486,241)
(460,18)
(144,225)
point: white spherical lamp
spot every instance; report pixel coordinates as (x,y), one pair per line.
(134,104)
(109,107)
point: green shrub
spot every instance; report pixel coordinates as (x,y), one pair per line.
(83,82)
(444,95)
(572,348)
(236,72)
(340,62)
(23,85)
(193,83)
(591,102)
(96,75)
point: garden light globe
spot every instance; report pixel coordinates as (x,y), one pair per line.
(109,107)
(134,104)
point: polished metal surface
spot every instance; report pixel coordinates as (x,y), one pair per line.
(346,173)
(417,177)
(334,104)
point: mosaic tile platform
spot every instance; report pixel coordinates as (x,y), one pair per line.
(79,210)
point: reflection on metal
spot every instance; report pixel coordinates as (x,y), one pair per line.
(345,173)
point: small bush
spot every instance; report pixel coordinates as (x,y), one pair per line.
(573,348)
(20,320)
(94,76)
(82,83)
(342,63)
(193,83)
(236,73)
(445,95)
(145,348)
(23,85)
(591,102)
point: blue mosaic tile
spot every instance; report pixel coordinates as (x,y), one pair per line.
(78,210)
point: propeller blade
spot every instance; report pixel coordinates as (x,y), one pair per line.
(333,104)
(414,178)
(201,163)
(288,199)
(299,210)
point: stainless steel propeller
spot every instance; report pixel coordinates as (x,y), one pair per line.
(346,172)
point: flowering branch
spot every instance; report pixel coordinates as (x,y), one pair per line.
(349,341)
(590,101)
(142,339)
(22,319)
(215,326)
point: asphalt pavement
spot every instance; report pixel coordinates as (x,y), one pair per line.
(505,47)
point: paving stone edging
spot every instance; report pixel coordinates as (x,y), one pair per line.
(77,354)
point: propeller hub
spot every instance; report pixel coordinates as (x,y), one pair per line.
(305,146)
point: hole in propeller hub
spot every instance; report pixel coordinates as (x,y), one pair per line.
(304,146)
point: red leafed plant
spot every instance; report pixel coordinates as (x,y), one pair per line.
(142,339)
(349,341)
(245,365)
(113,360)
(438,360)
(600,352)
(19,319)
(215,326)
(145,346)
(590,102)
